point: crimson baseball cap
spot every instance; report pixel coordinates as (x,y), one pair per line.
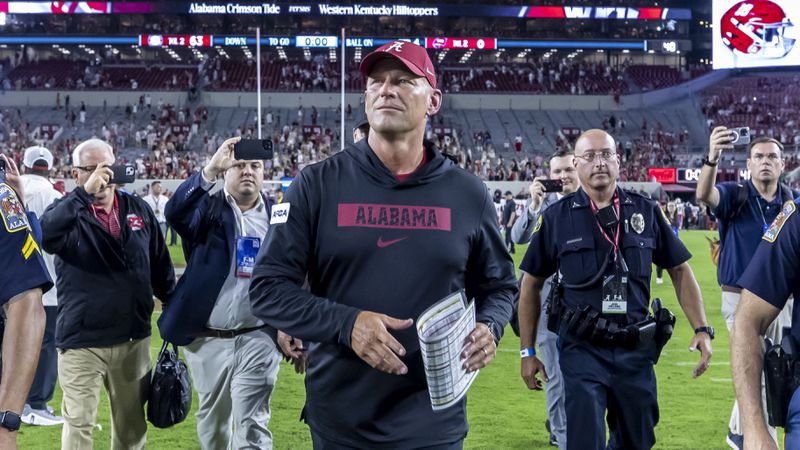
(414,57)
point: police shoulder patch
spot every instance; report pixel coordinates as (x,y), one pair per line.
(777,225)
(11,209)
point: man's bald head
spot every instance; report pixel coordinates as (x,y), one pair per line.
(596,160)
(594,139)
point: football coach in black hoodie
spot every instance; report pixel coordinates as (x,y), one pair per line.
(110,261)
(383,230)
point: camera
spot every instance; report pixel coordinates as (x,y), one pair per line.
(741,136)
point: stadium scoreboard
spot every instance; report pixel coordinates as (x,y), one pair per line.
(460,43)
(316,41)
(175,40)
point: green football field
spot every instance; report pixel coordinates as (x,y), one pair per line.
(503,413)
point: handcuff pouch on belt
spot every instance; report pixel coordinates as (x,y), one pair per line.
(665,325)
(781,377)
(587,323)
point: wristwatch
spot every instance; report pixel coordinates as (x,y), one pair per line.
(10,420)
(708,330)
(492,329)
(707,162)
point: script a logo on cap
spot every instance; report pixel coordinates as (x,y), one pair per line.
(396,46)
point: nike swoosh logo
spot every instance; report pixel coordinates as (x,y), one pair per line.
(429,71)
(384,244)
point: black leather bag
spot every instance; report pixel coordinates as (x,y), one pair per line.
(170,397)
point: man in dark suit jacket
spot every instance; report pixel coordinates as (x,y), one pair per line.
(231,354)
(562,168)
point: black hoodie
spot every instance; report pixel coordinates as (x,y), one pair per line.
(369,242)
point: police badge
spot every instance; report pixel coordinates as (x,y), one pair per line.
(637,223)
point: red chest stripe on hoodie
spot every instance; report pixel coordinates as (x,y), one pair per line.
(400,217)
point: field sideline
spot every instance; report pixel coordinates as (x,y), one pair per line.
(503,414)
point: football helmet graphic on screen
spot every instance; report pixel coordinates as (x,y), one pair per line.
(757,28)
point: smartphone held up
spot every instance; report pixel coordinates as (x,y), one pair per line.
(122,174)
(552,185)
(249,149)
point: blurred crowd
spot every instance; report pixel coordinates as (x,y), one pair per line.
(503,71)
(769,106)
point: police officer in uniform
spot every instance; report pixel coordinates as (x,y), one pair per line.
(23,280)
(771,277)
(605,241)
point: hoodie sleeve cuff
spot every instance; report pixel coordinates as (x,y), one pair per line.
(346,332)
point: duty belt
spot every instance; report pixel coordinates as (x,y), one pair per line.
(587,324)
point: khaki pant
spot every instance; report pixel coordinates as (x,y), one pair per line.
(124,371)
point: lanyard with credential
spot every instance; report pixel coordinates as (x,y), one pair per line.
(765,225)
(615,242)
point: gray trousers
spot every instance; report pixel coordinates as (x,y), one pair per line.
(234,379)
(554,388)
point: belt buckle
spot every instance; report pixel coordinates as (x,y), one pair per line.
(225,334)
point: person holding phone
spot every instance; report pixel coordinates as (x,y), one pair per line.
(232,355)
(111,260)
(544,193)
(563,180)
(744,212)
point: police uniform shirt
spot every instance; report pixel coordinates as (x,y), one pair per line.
(774,272)
(741,234)
(22,266)
(567,237)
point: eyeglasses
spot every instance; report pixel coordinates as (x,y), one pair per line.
(86,168)
(606,155)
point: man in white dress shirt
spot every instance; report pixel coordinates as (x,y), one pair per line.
(158,203)
(39,194)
